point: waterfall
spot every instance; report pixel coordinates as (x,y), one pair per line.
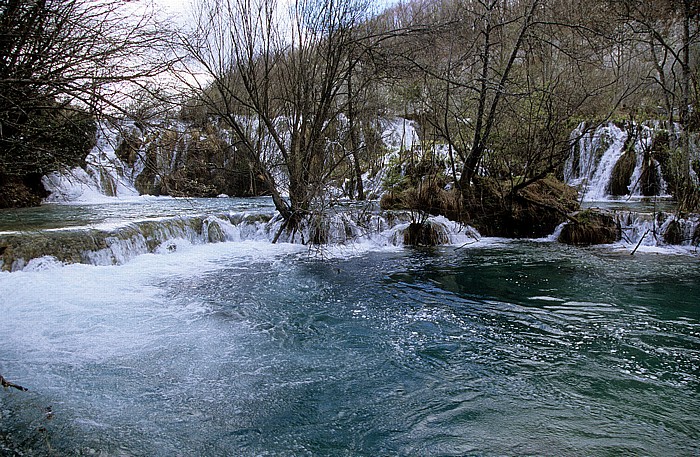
(103,175)
(124,152)
(609,152)
(591,165)
(111,245)
(652,229)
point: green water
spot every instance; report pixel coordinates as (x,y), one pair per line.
(517,348)
(122,211)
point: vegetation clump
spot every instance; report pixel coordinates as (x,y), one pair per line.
(426,197)
(531,211)
(21,191)
(674,233)
(591,227)
(425,233)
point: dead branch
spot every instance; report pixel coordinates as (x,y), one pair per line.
(7,384)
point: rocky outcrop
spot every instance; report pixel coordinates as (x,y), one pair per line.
(493,207)
(533,211)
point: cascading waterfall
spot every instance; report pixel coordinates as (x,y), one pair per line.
(596,173)
(596,153)
(104,174)
(163,150)
(653,229)
(117,245)
(612,162)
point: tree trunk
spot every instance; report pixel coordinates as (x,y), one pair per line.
(354,144)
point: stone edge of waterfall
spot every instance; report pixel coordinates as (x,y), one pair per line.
(115,244)
(660,231)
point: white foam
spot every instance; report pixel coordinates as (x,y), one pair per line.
(97,312)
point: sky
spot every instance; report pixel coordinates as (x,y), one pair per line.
(179,9)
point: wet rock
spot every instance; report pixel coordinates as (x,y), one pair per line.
(622,173)
(591,227)
(214,232)
(425,234)
(674,233)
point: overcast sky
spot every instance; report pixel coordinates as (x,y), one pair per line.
(179,10)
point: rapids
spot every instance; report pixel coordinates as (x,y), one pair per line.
(247,348)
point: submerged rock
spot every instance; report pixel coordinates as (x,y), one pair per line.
(591,227)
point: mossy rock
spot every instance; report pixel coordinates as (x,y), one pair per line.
(591,227)
(650,177)
(215,233)
(532,212)
(257,218)
(622,173)
(673,233)
(425,234)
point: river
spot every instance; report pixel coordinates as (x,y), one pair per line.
(496,347)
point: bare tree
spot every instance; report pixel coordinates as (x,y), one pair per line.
(61,64)
(277,76)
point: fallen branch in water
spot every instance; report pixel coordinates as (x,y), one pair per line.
(640,242)
(5,383)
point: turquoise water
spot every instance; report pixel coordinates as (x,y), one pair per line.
(122,211)
(505,348)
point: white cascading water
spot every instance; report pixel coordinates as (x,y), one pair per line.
(595,153)
(593,171)
(116,246)
(104,174)
(648,229)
